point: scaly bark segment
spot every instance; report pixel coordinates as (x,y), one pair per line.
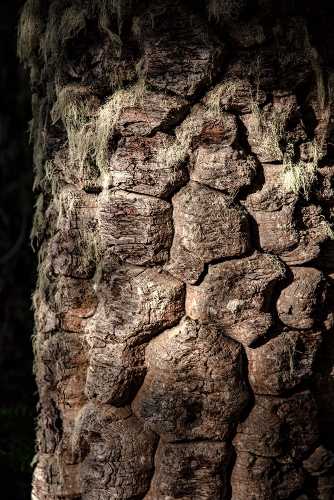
(194,386)
(184,217)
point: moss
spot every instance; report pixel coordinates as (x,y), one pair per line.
(328,228)
(30,30)
(51,182)
(107,118)
(42,41)
(271,131)
(283,41)
(38,301)
(225,89)
(38,222)
(276,264)
(89,134)
(224,206)
(299,177)
(90,248)
(89,245)
(330,87)
(37,128)
(76,434)
(72,107)
(329,95)
(65,22)
(110,9)
(45,40)
(251,162)
(219,10)
(225,203)
(315,62)
(136,28)
(177,153)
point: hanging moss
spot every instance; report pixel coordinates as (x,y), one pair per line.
(220,10)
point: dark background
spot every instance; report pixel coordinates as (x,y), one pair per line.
(17,267)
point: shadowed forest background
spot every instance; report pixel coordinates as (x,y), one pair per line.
(17,267)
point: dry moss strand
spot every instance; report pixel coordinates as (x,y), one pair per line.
(227,89)
(37,129)
(30,30)
(299,177)
(314,59)
(219,10)
(177,153)
(64,22)
(106,121)
(271,131)
(38,301)
(88,240)
(113,9)
(89,133)
(276,264)
(328,228)
(72,107)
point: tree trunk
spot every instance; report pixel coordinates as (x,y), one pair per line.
(184,159)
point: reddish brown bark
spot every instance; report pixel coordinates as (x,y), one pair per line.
(186,280)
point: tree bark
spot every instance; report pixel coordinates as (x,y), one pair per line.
(184,304)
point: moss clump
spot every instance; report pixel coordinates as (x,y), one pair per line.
(227,89)
(111,9)
(47,38)
(177,153)
(89,134)
(30,30)
(219,10)
(195,232)
(328,228)
(37,129)
(299,177)
(270,128)
(38,222)
(315,62)
(276,264)
(72,107)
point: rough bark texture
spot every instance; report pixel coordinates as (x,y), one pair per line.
(184,307)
